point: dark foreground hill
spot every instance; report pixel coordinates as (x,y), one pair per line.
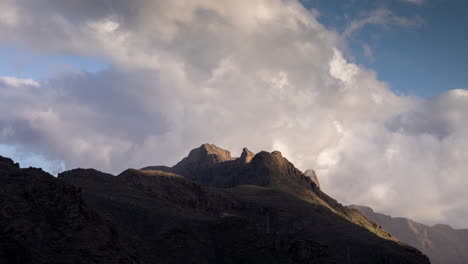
(442,243)
(209,208)
(45,220)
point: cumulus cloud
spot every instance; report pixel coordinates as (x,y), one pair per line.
(256,73)
(416,157)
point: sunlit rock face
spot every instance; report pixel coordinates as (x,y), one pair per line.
(246,155)
(213,165)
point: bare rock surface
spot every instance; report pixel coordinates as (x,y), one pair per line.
(246,155)
(313,176)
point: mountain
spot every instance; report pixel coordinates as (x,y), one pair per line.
(45,220)
(208,208)
(441,243)
(313,176)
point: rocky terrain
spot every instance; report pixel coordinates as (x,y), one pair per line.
(208,208)
(441,243)
(45,220)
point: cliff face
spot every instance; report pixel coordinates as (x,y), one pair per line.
(313,176)
(441,243)
(209,208)
(214,166)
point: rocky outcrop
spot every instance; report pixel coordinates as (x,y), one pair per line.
(8,164)
(214,166)
(441,243)
(205,156)
(246,156)
(313,176)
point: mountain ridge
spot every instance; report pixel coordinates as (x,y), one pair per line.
(257,208)
(442,243)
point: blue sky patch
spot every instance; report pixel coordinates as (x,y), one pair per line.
(25,64)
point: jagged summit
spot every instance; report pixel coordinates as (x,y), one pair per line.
(246,155)
(215,150)
(210,164)
(205,155)
(211,153)
(214,166)
(313,176)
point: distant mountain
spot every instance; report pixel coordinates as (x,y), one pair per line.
(441,243)
(209,208)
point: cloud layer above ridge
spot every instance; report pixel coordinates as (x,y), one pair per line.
(257,73)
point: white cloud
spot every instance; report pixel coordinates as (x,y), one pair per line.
(382,17)
(17,82)
(256,73)
(8,13)
(368,52)
(106,26)
(417,2)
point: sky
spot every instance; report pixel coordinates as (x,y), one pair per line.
(423,58)
(371,94)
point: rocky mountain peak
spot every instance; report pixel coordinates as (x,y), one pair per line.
(276,152)
(212,165)
(208,153)
(200,161)
(272,169)
(246,155)
(313,176)
(212,149)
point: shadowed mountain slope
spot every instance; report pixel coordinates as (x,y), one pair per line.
(45,220)
(441,243)
(212,208)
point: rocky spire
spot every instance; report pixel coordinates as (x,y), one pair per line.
(246,155)
(313,176)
